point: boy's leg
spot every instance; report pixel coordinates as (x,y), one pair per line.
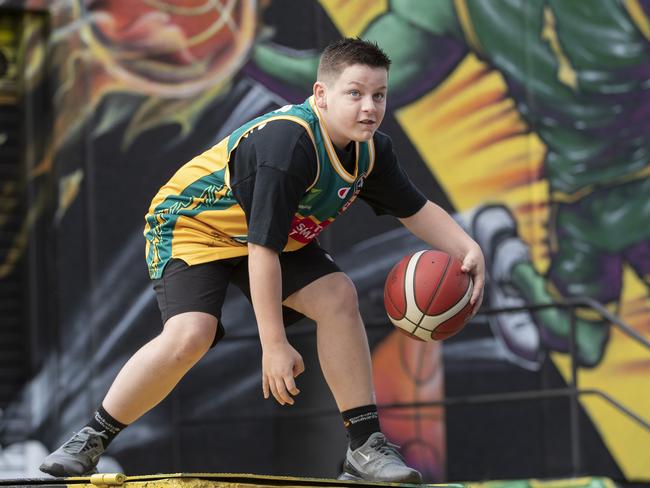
(153,371)
(144,381)
(343,352)
(344,355)
(190,299)
(313,286)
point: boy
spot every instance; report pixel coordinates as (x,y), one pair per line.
(248,211)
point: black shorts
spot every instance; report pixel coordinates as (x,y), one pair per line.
(202,287)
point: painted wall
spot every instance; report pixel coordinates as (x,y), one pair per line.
(529,120)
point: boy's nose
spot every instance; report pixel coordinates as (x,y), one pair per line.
(368,105)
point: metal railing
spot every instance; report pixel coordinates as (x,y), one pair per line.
(572,391)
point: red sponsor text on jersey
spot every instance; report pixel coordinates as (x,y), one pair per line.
(304,229)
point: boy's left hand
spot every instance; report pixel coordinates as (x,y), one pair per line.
(474,264)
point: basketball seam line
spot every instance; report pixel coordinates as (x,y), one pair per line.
(393,303)
(433,296)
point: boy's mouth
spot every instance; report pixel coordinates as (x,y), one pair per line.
(367,122)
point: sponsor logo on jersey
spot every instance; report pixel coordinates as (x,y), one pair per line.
(358,184)
(304,229)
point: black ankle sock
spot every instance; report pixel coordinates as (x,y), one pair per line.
(361,423)
(103,422)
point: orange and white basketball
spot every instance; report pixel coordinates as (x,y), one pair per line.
(427,296)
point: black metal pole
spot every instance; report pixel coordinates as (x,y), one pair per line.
(574,406)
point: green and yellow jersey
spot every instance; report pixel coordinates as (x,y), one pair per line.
(196,216)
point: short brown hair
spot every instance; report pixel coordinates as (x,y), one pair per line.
(347,51)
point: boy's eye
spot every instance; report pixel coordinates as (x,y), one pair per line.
(379,96)
(354,93)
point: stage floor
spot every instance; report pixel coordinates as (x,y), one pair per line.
(238,480)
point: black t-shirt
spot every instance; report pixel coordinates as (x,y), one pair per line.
(272,168)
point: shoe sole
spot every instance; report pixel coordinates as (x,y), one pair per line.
(348,477)
(58,471)
(351,474)
(53,470)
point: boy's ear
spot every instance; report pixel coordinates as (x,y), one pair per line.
(320,94)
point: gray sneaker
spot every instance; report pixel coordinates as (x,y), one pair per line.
(78,456)
(378,460)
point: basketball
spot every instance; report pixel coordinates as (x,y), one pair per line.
(427,296)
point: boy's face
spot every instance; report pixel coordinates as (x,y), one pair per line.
(353,105)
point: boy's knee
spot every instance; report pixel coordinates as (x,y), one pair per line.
(190,338)
(341,297)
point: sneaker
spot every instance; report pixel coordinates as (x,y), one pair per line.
(378,460)
(78,456)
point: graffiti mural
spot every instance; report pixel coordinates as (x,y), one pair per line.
(538,127)
(527,118)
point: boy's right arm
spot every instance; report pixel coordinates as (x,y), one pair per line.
(281,363)
(273,167)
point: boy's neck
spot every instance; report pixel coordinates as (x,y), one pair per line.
(338,144)
(345,149)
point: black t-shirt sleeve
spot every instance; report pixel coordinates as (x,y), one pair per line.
(270,172)
(388,189)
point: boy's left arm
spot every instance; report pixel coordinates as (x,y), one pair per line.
(437,228)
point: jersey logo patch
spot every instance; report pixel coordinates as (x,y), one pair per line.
(343,192)
(304,229)
(357,189)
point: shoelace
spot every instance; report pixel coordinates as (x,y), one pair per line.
(79,442)
(386,448)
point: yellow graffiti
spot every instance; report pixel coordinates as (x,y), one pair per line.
(563,197)
(638,16)
(475,143)
(19,244)
(351,17)
(623,374)
(69,187)
(566,74)
(462,10)
(183,10)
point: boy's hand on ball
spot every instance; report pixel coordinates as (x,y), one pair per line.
(474,264)
(281,364)
(427,295)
